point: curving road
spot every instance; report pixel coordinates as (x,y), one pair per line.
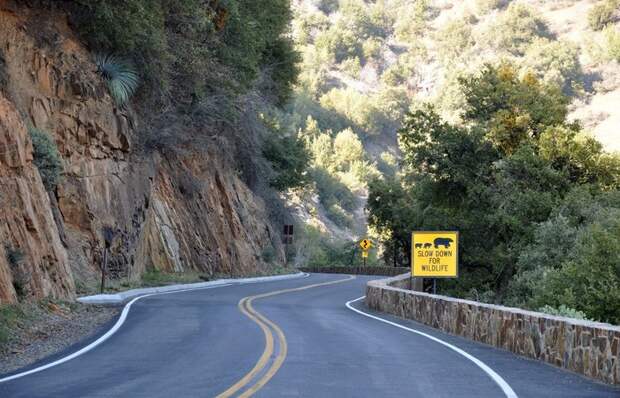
(291,338)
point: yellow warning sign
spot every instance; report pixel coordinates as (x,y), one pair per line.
(365,254)
(434,254)
(365,244)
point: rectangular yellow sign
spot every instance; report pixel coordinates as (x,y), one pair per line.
(434,254)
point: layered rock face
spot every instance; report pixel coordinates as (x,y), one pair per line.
(175,213)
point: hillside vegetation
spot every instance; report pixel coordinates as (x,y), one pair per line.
(506,113)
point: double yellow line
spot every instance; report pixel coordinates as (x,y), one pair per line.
(245,306)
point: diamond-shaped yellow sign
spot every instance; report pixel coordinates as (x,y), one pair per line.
(365,244)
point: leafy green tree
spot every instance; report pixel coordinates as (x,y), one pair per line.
(580,157)
(347,149)
(323,152)
(288,155)
(514,110)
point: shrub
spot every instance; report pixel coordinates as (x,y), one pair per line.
(289,158)
(602,14)
(555,62)
(372,48)
(339,216)
(269,254)
(612,39)
(352,67)
(122,80)
(191,46)
(328,6)
(586,283)
(332,191)
(14,257)
(347,149)
(486,6)
(46,158)
(411,21)
(516,29)
(453,40)
(563,310)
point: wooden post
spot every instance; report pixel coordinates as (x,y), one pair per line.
(104,266)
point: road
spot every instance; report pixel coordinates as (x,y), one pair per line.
(291,338)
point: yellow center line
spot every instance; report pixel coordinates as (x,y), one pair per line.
(245,306)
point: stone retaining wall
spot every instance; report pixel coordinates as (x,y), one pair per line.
(588,348)
(368,270)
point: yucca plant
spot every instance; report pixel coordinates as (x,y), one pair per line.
(121,78)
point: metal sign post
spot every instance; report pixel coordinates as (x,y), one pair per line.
(108,236)
(287,239)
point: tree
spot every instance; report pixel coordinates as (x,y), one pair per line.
(513,110)
(347,149)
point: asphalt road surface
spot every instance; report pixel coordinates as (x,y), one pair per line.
(291,338)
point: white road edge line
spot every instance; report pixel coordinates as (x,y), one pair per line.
(508,391)
(114,329)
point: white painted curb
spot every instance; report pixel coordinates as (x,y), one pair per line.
(138,294)
(122,297)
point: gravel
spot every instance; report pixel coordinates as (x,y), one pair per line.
(52,328)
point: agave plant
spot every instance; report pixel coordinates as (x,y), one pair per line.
(121,78)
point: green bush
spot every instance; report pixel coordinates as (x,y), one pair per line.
(121,79)
(332,191)
(602,14)
(612,39)
(454,39)
(189,47)
(347,149)
(290,160)
(555,62)
(515,29)
(46,158)
(269,254)
(339,216)
(512,110)
(564,311)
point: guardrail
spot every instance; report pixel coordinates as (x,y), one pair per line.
(368,270)
(589,348)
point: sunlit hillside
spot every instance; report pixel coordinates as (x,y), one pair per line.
(366,63)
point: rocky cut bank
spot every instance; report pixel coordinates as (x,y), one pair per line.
(187,211)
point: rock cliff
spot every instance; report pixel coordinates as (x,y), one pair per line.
(174,212)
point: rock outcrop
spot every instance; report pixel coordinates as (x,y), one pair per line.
(169,212)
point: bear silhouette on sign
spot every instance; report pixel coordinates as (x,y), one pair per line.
(445,242)
(418,245)
(427,245)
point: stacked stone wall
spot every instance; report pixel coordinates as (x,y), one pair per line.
(589,348)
